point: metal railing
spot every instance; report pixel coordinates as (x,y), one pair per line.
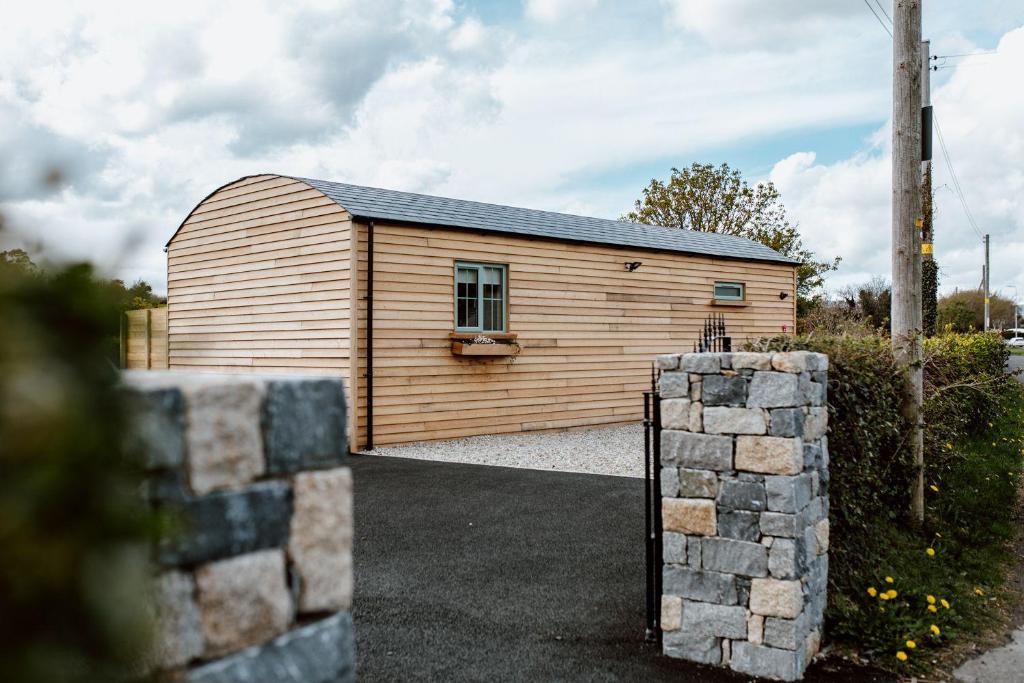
(713,336)
(652,507)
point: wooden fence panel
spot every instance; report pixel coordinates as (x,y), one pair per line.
(144,339)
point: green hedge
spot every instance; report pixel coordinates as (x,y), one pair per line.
(73,528)
(971,411)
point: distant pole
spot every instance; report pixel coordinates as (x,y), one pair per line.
(906,224)
(988,279)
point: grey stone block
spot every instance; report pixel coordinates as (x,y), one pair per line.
(229,523)
(767,662)
(697,483)
(668,361)
(734,557)
(786,634)
(669,477)
(304,425)
(693,551)
(706,619)
(743,592)
(702,586)
(739,525)
(816,423)
(720,390)
(679,644)
(156,426)
(787,422)
(726,420)
(787,558)
(788,493)
(781,524)
(322,652)
(774,390)
(741,495)
(702,363)
(812,392)
(673,547)
(812,454)
(674,385)
(697,451)
(178,636)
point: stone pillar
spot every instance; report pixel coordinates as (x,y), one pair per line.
(744,484)
(255,584)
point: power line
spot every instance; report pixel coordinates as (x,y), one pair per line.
(887,29)
(884,12)
(965,54)
(958,190)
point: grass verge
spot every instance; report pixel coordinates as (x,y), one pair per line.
(942,585)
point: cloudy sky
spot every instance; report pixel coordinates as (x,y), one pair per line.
(566,105)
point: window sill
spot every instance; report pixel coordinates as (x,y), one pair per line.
(729,302)
(496,336)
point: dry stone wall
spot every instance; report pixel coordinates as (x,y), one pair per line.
(257,583)
(744,485)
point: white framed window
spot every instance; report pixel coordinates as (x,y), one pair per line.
(730,291)
(481,299)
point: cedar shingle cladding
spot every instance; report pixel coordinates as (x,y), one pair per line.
(260,279)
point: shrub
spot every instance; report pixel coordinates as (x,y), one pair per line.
(73,528)
(972,455)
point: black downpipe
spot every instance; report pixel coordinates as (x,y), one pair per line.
(369,336)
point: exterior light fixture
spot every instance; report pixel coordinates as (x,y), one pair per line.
(632,265)
(783,295)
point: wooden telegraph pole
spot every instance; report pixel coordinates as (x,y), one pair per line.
(906,223)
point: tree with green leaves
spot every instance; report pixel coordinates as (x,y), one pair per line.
(707,198)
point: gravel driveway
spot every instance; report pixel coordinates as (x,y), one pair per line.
(617,451)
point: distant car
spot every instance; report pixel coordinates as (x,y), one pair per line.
(1015,342)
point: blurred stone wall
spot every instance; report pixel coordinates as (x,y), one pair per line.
(255,583)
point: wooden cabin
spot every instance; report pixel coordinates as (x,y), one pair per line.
(401,294)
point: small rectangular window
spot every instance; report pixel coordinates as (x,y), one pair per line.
(480,297)
(729,291)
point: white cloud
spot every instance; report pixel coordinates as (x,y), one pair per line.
(150,107)
(844,207)
(555,11)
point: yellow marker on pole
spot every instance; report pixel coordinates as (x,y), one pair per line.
(926,248)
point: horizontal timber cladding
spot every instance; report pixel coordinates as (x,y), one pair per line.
(258,280)
(588,329)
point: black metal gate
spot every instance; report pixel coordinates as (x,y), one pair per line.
(652,507)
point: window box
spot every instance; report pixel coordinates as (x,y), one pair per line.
(504,344)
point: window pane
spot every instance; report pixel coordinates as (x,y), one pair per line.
(466,293)
(728,290)
(472,315)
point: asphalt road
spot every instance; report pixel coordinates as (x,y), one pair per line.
(1017,363)
(472,573)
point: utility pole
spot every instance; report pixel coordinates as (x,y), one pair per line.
(987,280)
(906,224)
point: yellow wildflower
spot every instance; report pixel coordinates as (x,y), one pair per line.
(933,609)
(935,630)
(930,599)
(989,424)
(901,655)
(892,594)
(978,591)
(945,603)
(888,579)
(871,591)
(911,645)
(883,596)
(949,446)
(930,552)
(933,487)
